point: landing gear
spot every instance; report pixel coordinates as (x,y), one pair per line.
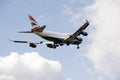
(61,44)
(68,44)
(55,45)
(78,47)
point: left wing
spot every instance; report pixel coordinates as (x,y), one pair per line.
(49,44)
(41,42)
(31,44)
(78,32)
(20,41)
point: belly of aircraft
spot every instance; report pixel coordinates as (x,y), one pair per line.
(55,37)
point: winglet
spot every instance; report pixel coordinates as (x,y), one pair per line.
(87,21)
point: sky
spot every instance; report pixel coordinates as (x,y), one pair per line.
(97,59)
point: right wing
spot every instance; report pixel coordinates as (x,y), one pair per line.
(78,32)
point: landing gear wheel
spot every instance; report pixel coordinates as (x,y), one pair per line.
(68,44)
(78,47)
(54,47)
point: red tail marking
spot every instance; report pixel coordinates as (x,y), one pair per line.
(35,29)
(32,19)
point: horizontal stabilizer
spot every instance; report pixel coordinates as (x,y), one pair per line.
(16,41)
(25,32)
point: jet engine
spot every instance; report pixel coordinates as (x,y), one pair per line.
(52,45)
(32,45)
(84,33)
(80,39)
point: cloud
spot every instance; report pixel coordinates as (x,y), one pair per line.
(104,51)
(29,66)
(74,17)
(77,1)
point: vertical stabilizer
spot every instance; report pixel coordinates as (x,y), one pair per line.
(35,26)
(33,21)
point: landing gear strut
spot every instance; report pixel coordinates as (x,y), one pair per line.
(78,47)
(55,45)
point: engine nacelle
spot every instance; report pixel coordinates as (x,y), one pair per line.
(50,45)
(32,45)
(84,33)
(80,39)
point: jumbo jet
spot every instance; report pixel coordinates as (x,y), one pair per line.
(54,39)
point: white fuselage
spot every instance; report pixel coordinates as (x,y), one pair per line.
(52,35)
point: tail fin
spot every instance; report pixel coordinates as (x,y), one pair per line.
(35,26)
(33,21)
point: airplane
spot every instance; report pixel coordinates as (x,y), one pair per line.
(54,39)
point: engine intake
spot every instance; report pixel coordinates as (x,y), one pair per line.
(50,45)
(84,33)
(32,45)
(80,39)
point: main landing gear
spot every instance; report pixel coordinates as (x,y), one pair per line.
(78,47)
(55,45)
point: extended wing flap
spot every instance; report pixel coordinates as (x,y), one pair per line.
(78,32)
(47,42)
